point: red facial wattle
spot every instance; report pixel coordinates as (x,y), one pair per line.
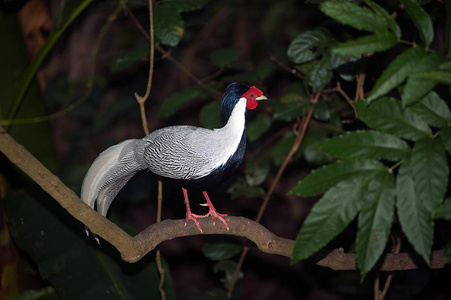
(251,96)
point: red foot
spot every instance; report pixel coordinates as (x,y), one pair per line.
(191,216)
(212,212)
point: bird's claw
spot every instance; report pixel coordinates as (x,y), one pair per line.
(191,216)
(212,213)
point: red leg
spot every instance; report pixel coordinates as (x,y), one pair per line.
(213,213)
(189,214)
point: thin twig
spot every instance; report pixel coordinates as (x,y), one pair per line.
(30,73)
(89,84)
(286,68)
(187,72)
(376,287)
(378,294)
(340,90)
(167,55)
(300,130)
(142,99)
(360,93)
(158,253)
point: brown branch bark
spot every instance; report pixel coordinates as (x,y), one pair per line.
(132,249)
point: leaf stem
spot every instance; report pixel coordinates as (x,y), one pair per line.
(37,61)
(89,84)
(167,55)
(392,168)
(435,135)
(142,99)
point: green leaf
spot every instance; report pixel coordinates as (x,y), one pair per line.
(318,77)
(444,210)
(312,153)
(24,83)
(329,217)
(433,110)
(445,136)
(446,65)
(333,60)
(257,171)
(210,115)
(310,147)
(175,101)
(228,267)
(307,46)
(241,188)
(396,72)
(438,76)
(168,25)
(416,86)
(380,41)
(394,27)
(421,20)
(290,107)
(322,111)
(221,251)
(415,219)
(322,179)
(366,144)
(430,171)
(255,128)
(70,260)
(375,220)
(387,114)
(320,72)
(353,15)
(223,57)
(14,59)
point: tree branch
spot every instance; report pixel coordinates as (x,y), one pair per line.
(132,249)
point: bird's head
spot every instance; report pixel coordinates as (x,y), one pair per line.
(236,91)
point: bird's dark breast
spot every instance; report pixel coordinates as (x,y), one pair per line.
(221,174)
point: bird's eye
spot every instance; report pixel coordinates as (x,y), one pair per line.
(252,95)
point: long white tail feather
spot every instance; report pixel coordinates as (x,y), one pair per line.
(111,170)
(107,195)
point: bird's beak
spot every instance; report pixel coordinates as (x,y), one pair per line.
(262,97)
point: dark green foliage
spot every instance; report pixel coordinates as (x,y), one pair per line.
(415,218)
(377,42)
(307,46)
(398,70)
(421,20)
(375,220)
(410,134)
(330,216)
(76,269)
